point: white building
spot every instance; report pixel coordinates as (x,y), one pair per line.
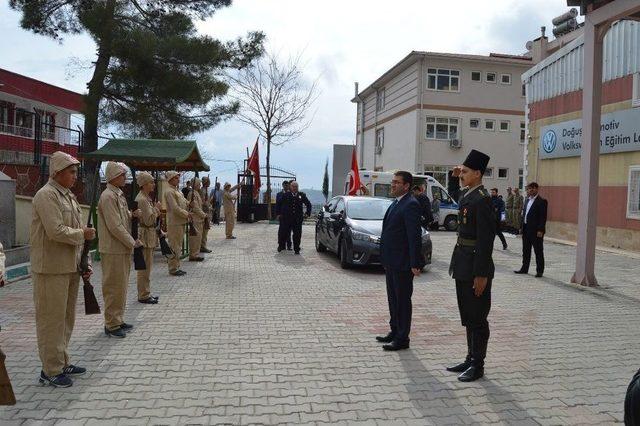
(427,112)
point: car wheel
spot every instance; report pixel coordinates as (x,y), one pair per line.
(344,260)
(451,223)
(320,248)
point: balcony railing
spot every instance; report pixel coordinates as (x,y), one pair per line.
(25,132)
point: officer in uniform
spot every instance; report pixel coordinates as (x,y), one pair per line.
(198,215)
(229,204)
(292,212)
(177,218)
(206,208)
(116,247)
(516,212)
(57,237)
(148,216)
(472,265)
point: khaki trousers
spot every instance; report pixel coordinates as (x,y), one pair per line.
(205,237)
(195,240)
(229,224)
(55,297)
(175,233)
(115,281)
(143,278)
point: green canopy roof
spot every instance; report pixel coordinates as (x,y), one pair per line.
(151,154)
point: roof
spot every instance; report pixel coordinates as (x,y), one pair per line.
(416,55)
(151,154)
(30,88)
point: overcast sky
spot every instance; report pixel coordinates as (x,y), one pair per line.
(341,42)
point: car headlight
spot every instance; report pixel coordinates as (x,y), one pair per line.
(365,237)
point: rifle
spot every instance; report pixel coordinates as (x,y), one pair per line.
(205,205)
(138,254)
(192,229)
(165,249)
(91,306)
(216,211)
(7,397)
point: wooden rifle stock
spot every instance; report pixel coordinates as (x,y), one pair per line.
(91,306)
(7,397)
(165,249)
(192,229)
(205,206)
(138,254)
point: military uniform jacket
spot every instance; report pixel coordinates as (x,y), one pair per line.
(56,231)
(147,231)
(292,206)
(114,222)
(472,255)
(228,201)
(177,213)
(196,206)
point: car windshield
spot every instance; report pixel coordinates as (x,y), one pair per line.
(368,208)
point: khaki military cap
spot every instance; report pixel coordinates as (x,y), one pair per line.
(59,161)
(143,178)
(114,170)
(170,175)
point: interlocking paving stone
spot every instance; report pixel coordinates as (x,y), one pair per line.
(251,336)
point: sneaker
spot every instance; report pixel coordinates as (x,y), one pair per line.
(118,332)
(59,381)
(72,370)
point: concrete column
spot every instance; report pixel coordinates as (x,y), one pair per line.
(589,161)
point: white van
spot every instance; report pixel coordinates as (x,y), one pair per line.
(378,184)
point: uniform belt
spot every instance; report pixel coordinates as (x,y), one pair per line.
(146,226)
(466,242)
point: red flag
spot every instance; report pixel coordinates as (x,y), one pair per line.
(253,165)
(354,176)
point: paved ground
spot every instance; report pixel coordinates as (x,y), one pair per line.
(251,336)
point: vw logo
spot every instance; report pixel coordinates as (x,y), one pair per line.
(549,141)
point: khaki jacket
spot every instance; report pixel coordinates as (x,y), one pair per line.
(196,207)
(2,260)
(114,222)
(228,201)
(147,228)
(177,213)
(56,231)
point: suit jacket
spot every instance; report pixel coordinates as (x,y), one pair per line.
(279,197)
(292,206)
(537,217)
(401,239)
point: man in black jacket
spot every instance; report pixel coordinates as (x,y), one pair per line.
(472,263)
(292,214)
(401,257)
(426,215)
(282,238)
(534,222)
(498,208)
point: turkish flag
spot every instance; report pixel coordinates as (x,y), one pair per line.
(253,165)
(354,176)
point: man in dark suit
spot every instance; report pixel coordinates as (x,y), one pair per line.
(292,213)
(534,222)
(498,207)
(426,215)
(401,257)
(282,236)
(472,263)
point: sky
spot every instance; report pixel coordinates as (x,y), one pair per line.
(341,42)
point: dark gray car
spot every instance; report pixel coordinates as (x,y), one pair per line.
(351,228)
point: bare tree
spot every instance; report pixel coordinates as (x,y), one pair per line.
(274,99)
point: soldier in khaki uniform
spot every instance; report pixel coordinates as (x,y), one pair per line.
(56,239)
(228,202)
(177,217)
(198,215)
(206,208)
(116,247)
(518,204)
(148,215)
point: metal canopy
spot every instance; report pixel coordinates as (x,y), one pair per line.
(151,154)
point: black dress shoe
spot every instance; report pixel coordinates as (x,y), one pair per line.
(385,339)
(178,273)
(395,346)
(472,373)
(504,247)
(204,250)
(289,248)
(459,368)
(280,249)
(297,251)
(148,301)
(520,271)
(538,275)
(118,332)
(196,259)
(126,327)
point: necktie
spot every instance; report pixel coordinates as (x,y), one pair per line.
(393,205)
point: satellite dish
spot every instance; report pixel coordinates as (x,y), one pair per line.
(529,45)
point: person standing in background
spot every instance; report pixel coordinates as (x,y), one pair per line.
(516,211)
(508,207)
(215,198)
(206,208)
(186,188)
(228,201)
(197,215)
(498,208)
(293,213)
(534,222)
(149,214)
(426,215)
(284,238)
(435,210)
(177,217)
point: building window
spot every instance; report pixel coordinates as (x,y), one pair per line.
(380,100)
(476,76)
(488,173)
(521,179)
(442,128)
(490,125)
(504,126)
(636,90)
(474,123)
(503,173)
(443,80)
(505,78)
(490,77)
(439,173)
(379,140)
(633,193)
(523,132)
